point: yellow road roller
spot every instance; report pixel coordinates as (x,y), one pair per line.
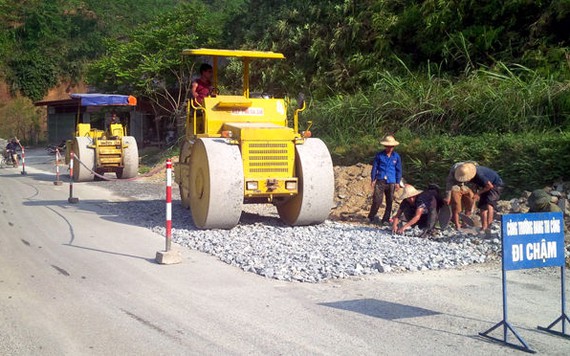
(239,149)
(101,151)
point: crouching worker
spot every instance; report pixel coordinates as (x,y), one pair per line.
(539,201)
(490,187)
(458,195)
(418,208)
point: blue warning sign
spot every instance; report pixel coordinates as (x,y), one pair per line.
(533,240)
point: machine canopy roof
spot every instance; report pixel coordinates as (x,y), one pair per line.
(105,99)
(232,53)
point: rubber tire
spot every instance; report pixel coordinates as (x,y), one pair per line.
(83,172)
(314,168)
(131,158)
(185,152)
(216,184)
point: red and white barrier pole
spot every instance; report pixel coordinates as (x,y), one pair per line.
(57,157)
(71,199)
(168,256)
(168,204)
(23,161)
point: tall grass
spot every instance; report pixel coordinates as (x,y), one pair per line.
(501,99)
(509,118)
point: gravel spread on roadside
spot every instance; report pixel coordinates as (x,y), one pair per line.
(262,244)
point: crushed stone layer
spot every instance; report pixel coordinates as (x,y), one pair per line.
(262,244)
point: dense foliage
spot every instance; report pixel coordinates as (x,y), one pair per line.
(344,45)
(44,42)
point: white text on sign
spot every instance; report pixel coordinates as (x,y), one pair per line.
(534,251)
(537,227)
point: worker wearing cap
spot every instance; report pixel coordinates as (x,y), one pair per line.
(385,177)
(489,187)
(458,195)
(418,208)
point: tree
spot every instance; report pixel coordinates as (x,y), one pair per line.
(45,42)
(150,62)
(20,118)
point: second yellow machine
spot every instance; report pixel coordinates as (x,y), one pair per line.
(100,151)
(239,149)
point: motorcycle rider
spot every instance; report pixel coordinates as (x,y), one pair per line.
(12,151)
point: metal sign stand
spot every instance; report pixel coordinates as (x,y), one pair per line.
(563,318)
(532,240)
(506,325)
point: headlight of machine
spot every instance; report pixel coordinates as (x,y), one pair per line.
(251,185)
(291,185)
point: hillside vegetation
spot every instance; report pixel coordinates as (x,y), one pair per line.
(452,79)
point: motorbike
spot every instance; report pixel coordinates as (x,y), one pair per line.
(8,159)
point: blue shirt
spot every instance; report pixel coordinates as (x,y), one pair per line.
(485,175)
(388,168)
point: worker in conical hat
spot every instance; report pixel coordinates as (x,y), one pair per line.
(458,194)
(386,176)
(489,188)
(418,208)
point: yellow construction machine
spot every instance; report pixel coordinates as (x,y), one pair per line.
(239,149)
(100,151)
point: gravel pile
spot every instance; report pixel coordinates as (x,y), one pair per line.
(262,244)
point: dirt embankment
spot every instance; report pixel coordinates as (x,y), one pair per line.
(353,193)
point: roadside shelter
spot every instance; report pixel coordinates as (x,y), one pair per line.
(96,109)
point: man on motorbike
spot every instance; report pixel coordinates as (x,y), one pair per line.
(12,151)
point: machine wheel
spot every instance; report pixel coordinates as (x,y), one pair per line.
(83,171)
(184,157)
(131,159)
(216,184)
(314,168)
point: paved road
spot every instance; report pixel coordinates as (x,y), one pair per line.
(75,280)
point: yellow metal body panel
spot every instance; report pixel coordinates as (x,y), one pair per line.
(233,53)
(259,131)
(116,130)
(108,153)
(270,188)
(83,130)
(224,108)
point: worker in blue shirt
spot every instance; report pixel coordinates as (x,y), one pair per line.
(386,177)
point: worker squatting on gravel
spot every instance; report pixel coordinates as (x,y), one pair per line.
(489,188)
(418,208)
(385,178)
(459,195)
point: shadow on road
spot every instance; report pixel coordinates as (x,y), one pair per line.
(151,260)
(381,309)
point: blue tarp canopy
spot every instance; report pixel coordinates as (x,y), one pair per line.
(105,99)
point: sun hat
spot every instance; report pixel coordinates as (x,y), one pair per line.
(389,141)
(409,191)
(465,172)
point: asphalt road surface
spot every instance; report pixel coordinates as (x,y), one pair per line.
(75,280)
